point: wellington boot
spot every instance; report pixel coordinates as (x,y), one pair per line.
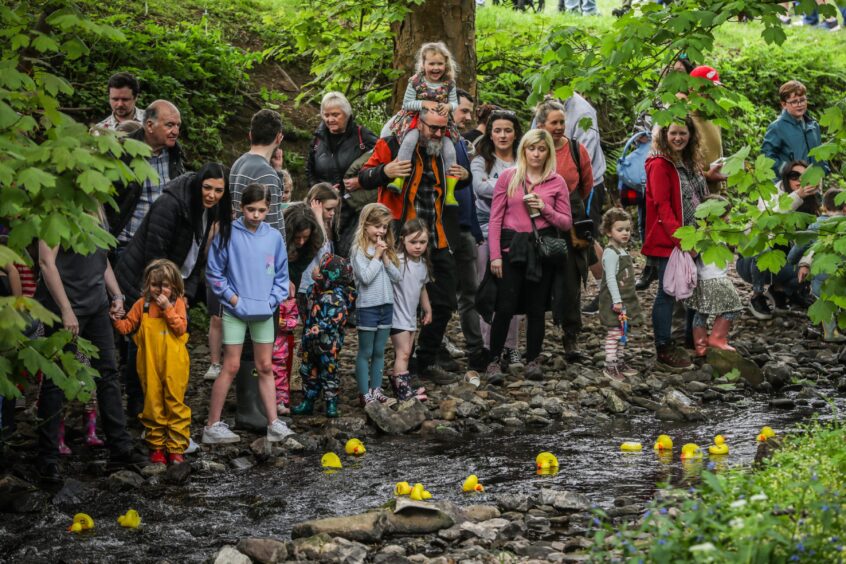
(307,406)
(249,413)
(700,341)
(64,449)
(396,185)
(450,200)
(89,418)
(332,408)
(719,334)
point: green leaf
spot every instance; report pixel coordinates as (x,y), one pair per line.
(8,116)
(772,261)
(43,43)
(826,263)
(718,255)
(822,311)
(34,179)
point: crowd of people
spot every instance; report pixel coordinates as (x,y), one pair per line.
(395,235)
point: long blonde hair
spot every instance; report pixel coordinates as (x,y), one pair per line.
(376,214)
(532,137)
(440,48)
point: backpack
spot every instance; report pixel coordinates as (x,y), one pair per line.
(631,171)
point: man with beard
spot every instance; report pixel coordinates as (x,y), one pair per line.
(123,95)
(423,195)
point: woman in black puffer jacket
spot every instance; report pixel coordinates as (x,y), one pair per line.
(338,143)
(177,228)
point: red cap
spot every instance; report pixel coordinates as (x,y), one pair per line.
(707,72)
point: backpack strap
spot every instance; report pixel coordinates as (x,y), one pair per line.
(574,151)
(360,140)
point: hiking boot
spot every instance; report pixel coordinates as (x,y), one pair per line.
(512,357)
(592,307)
(158,457)
(759,307)
(612,371)
(332,408)
(802,298)
(365,399)
(378,395)
(219,434)
(647,277)
(494,370)
(49,473)
(212,373)
(130,459)
(779,300)
(438,375)
(534,371)
(626,370)
(479,361)
(451,349)
(571,351)
(278,431)
(673,358)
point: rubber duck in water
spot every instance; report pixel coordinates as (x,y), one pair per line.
(546,460)
(81,522)
(331,460)
(663,444)
(691,451)
(471,484)
(766,433)
(631,446)
(719,447)
(419,493)
(130,519)
(354,447)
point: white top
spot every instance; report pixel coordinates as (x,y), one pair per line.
(407,294)
(373,278)
(709,271)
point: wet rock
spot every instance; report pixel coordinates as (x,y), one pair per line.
(18,496)
(364,527)
(645,403)
(564,501)
(683,405)
(536,420)
(480,512)
(153,470)
(613,403)
(490,530)
(468,410)
(210,466)
(263,447)
(448,407)
(778,374)
(124,480)
(242,463)
(451,534)
(265,551)
(351,426)
(177,473)
(513,502)
(419,517)
(783,403)
(230,555)
(408,416)
(623,389)
(73,492)
(293,445)
(537,524)
(696,387)
(724,361)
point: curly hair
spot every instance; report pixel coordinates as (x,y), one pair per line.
(690,156)
(612,216)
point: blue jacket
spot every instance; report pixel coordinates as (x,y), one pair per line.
(787,139)
(466,198)
(253,266)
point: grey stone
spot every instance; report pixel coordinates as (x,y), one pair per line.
(724,361)
(513,502)
(489,530)
(363,527)
(537,523)
(468,409)
(262,447)
(177,473)
(777,374)
(645,403)
(230,555)
(124,480)
(408,416)
(73,492)
(564,501)
(480,512)
(696,387)
(352,426)
(682,404)
(17,495)
(242,463)
(783,403)
(153,470)
(210,466)
(613,403)
(418,518)
(265,551)
(451,534)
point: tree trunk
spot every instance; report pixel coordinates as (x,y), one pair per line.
(450,21)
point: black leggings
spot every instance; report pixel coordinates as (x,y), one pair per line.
(513,289)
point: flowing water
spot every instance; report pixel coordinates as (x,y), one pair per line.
(189,523)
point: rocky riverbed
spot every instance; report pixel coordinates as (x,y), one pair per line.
(258,501)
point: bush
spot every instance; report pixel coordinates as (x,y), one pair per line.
(791,510)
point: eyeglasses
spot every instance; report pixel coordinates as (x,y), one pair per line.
(794,175)
(797,102)
(436,128)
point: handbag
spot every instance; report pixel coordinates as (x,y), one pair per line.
(549,248)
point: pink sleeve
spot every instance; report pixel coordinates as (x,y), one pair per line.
(498,207)
(288,315)
(558,214)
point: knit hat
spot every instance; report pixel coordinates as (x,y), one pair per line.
(707,72)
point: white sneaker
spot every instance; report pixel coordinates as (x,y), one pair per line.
(452,349)
(212,373)
(219,434)
(192,446)
(277,431)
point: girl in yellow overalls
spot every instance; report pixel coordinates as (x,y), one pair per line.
(159,317)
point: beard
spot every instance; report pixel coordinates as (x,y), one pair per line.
(434,147)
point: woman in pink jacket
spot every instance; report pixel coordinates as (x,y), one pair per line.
(525,281)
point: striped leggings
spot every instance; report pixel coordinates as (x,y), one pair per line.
(612,343)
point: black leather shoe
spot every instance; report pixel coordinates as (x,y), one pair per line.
(438,375)
(49,473)
(129,459)
(479,361)
(647,277)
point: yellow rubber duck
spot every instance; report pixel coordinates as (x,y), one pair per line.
(81,522)
(663,444)
(546,460)
(471,484)
(355,447)
(130,519)
(631,446)
(691,451)
(402,488)
(719,447)
(419,493)
(766,433)
(331,460)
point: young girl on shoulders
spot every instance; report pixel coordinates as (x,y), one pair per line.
(618,303)
(160,324)
(432,87)
(409,293)
(248,270)
(376,266)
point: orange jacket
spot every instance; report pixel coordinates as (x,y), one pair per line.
(373,176)
(175,317)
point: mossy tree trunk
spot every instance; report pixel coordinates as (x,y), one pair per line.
(450,21)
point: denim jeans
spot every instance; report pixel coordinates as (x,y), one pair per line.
(96,328)
(587,7)
(747,269)
(662,308)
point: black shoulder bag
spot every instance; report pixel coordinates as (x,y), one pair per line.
(549,248)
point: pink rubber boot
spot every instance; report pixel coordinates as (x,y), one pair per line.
(64,450)
(89,419)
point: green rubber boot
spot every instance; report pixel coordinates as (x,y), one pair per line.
(332,408)
(396,185)
(450,191)
(307,406)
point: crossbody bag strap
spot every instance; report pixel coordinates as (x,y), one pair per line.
(534,227)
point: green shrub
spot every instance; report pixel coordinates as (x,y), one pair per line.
(791,510)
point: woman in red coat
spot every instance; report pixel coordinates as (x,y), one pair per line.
(674,187)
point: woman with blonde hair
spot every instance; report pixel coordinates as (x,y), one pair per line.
(530,197)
